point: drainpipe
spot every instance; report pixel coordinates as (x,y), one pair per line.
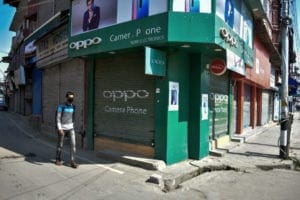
(284,124)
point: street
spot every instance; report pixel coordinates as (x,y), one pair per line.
(27,171)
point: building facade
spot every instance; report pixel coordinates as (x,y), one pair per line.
(158,81)
(164,79)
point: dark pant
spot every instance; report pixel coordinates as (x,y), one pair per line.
(60,143)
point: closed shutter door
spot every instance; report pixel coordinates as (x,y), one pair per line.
(124,100)
(219,105)
(37,92)
(271,106)
(72,79)
(50,97)
(234,110)
(265,107)
(247,106)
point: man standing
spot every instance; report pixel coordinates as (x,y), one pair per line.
(91,17)
(65,125)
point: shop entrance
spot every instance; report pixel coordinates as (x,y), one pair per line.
(124,105)
(218,104)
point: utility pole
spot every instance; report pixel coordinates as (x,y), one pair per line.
(284,124)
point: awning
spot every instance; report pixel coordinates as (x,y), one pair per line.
(53,23)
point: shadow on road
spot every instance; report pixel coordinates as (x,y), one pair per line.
(19,141)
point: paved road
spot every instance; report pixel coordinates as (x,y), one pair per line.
(256,184)
(27,171)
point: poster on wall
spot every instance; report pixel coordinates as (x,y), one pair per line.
(204,107)
(195,6)
(88,15)
(276,108)
(173,96)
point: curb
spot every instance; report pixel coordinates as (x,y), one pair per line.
(134,160)
(172,182)
(168,182)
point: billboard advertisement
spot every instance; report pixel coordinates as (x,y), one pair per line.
(88,15)
(235,14)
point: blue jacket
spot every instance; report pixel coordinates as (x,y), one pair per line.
(65,116)
(94,22)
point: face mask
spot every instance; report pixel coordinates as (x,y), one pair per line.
(70,100)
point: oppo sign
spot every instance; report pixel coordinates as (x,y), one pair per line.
(85,43)
(125,95)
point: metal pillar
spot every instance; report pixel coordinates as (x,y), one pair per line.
(284,125)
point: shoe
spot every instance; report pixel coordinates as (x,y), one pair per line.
(74,164)
(58,163)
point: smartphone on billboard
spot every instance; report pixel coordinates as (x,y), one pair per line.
(187,5)
(194,6)
(140,9)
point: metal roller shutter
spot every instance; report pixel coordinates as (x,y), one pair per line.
(57,80)
(219,105)
(265,107)
(72,79)
(50,97)
(247,106)
(124,100)
(234,110)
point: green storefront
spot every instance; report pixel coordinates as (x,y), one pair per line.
(151,88)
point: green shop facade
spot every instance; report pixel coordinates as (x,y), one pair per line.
(159,73)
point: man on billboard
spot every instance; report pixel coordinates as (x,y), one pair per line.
(229,13)
(91,17)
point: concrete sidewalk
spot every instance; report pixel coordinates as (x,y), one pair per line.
(258,150)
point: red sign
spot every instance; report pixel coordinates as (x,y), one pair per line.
(218,67)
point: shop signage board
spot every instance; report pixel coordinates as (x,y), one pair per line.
(142,31)
(52,43)
(235,63)
(218,67)
(155,62)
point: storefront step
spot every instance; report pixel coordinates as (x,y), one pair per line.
(132,159)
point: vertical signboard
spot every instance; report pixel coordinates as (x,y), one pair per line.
(155,62)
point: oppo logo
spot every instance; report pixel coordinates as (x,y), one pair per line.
(125,95)
(228,37)
(157,62)
(219,97)
(85,43)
